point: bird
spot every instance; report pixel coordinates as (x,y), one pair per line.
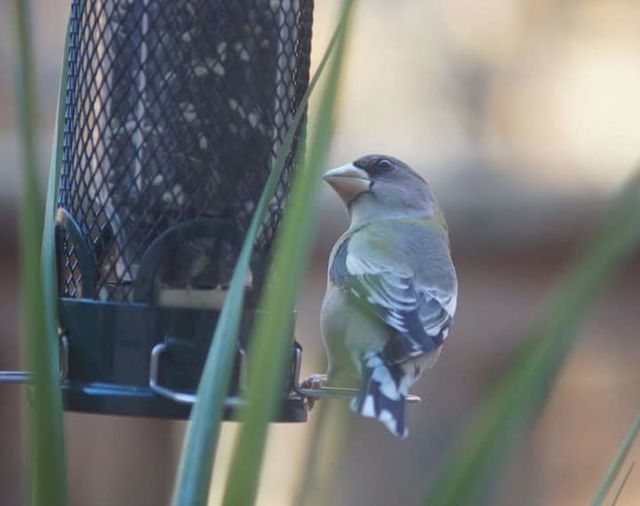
(392,287)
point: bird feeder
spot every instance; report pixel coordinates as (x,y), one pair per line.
(174,113)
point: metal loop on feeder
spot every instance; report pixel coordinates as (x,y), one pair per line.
(175,111)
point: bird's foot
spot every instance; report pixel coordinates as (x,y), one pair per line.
(313,382)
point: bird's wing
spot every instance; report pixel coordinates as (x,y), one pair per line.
(417,301)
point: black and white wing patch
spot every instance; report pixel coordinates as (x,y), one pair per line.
(420,319)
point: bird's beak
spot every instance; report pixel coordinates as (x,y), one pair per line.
(348,181)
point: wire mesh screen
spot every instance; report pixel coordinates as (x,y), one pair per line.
(71,269)
(175,110)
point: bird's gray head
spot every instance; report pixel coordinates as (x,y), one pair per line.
(379,186)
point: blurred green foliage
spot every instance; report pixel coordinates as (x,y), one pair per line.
(616,465)
(270,347)
(46,460)
(196,464)
(466,475)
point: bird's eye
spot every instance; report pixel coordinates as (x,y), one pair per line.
(385,164)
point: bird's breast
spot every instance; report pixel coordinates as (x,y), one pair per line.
(345,324)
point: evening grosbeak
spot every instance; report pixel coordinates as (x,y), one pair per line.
(392,287)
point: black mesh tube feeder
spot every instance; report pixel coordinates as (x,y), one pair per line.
(174,113)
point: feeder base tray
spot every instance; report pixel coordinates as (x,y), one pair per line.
(146,360)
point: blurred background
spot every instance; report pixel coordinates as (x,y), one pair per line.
(524,115)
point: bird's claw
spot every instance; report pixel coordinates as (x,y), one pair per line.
(313,382)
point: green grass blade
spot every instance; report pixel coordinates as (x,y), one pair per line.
(196,462)
(47,474)
(270,345)
(614,469)
(515,399)
(623,483)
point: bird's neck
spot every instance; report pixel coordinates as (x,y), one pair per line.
(366,213)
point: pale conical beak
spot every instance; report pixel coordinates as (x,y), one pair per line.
(348,181)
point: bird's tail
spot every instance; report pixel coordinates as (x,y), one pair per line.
(383,394)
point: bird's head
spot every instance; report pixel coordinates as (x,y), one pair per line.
(378,185)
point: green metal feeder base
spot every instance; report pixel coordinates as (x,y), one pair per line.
(146,360)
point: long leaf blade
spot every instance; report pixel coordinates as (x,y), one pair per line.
(614,469)
(514,400)
(47,475)
(196,462)
(271,342)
